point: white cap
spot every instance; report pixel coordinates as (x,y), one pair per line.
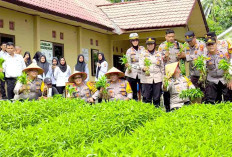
(133,36)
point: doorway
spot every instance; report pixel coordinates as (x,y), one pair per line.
(58,50)
(7,38)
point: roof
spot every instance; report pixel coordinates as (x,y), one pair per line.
(149,13)
(78,10)
(117,17)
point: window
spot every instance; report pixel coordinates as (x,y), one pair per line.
(94,60)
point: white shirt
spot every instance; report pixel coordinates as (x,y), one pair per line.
(62,77)
(3,54)
(13,66)
(51,75)
(103,70)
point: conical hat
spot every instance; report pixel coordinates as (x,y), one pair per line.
(35,67)
(83,74)
(114,71)
(170,69)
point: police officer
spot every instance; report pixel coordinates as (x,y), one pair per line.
(133,53)
(176,84)
(83,90)
(223,46)
(33,89)
(193,51)
(216,83)
(118,89)
(152,75)
(170,55)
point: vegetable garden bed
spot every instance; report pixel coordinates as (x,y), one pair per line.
(70,127)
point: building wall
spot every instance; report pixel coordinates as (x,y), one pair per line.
(24,28)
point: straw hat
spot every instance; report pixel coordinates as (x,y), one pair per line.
(170,69)
(114,71)
(83,74)
(35,67)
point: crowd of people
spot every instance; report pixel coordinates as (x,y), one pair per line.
(146,68)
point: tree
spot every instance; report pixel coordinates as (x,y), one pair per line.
(218,14)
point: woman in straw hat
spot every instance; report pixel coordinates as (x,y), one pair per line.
(118,89)
(33,89)
(176,84)
(80,88)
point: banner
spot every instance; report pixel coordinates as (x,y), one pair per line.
(46,48)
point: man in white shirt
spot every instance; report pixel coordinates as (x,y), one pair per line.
(3,54)
(13,66)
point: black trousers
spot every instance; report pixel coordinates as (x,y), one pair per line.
(167,101)
(10,82)
(152,92)
(133,84)
(3,90)
(195,81)
(60,89)
(212,90)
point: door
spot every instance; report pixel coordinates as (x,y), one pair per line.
(58,50)
(117,63)
(7,38)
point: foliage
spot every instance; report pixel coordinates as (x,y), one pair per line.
(1,73)
(192,93)
(71,89)
(199,64)
(183,47)
(124,61)
(147,64)
(225,66)
(103,84)
(168,45)
(23,78)
(220,14)
(182,67)
(166,81)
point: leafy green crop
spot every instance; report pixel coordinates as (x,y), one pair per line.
(192,93)
(182,67)
(147,64)
(168,45)
(183,47)
(1,73)
(124,61)
(103,84)
(199,64)
(225,65)
(71,89)
(23,78)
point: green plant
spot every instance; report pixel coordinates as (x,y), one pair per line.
(225,66)
(1,73)
(183,47)
(192,93)
(103,84)
(71,89)
(199,64)
(23,78)
(182,67)
(168,45)
(166,81)
(124,61)
(147,64)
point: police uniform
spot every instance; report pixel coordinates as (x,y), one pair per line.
(133,55)
(215,80)
(193,53)
(85,90)
(175,87)
(32,91)
(173,57)
(119,90)
(152,84)
(33,87)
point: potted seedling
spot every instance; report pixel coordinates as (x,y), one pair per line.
(71,89)
(225,66)
(199,64)
(24,81)
(147,64)
(103,84)
(124,61)
(194,94)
